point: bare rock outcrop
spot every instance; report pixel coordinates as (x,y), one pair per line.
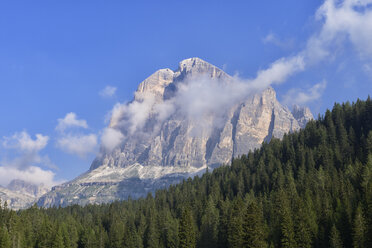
(166,138)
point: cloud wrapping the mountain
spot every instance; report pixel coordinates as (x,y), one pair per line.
(346,21)
(277,73)
(111,138)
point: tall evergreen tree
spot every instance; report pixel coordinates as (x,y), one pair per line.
(253,227)
(5,241)
(335,239)
(187,235)
(359,229)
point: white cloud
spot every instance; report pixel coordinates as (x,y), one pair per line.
(23,142)
(80,145)
(199,97)
(271,38)
(73,141)
(32,174)
(111,138)
(278,72)
(27,149)
(23,163)
(132,116)
(70,120)
(108,91)
(301,97)
(349,20)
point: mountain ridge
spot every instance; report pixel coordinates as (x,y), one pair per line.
(179,133)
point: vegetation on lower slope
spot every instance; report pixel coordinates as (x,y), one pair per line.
(312,189)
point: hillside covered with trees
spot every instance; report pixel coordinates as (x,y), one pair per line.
(313,188)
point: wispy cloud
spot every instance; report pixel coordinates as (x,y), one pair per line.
(26,160)
(108,91)
(70,120)
(32,174)
(111,138)
(340,22)
(26,148)
(301,97)
(24,142)
(79,144)
(272,38)
(71,139)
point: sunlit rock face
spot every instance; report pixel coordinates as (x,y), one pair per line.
(20,194)
(178,124)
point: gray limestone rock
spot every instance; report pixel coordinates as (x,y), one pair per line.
(20,194)
(165,150)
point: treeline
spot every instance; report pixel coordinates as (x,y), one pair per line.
(311,189)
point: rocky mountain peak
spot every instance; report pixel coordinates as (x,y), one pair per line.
(268,95)
(180,135)
(302,114)
(24,187)
(156,83)
(196,66)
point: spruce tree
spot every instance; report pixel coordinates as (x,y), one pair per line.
(335,239)
(187,235)
(5,241)
(359,229)
(253,227)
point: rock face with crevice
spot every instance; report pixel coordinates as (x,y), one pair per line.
(165,148)
(20,194)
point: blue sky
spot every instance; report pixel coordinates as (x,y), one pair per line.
(57,57)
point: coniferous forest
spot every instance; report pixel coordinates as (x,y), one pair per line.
(313,188)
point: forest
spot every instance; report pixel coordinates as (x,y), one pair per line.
(313,188)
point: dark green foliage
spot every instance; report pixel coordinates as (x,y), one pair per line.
(186,230)
(312,189)
(335,239)
(253,227)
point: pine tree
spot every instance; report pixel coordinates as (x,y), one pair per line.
(58,241)
(151,238)
(116,235)
(253,227)
(335,239)
(235,226)
(5,241)
(171,239)
(359,229)
(287,237)
(209,226)
(187,235)
(301,225)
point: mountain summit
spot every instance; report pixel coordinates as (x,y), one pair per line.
(178,124)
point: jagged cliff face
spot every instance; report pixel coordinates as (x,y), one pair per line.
(302,114)
(175,128)
(20,194)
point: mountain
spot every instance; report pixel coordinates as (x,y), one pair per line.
(313,188)
(27,188)
(179,124)
(20,194)
(302,114)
